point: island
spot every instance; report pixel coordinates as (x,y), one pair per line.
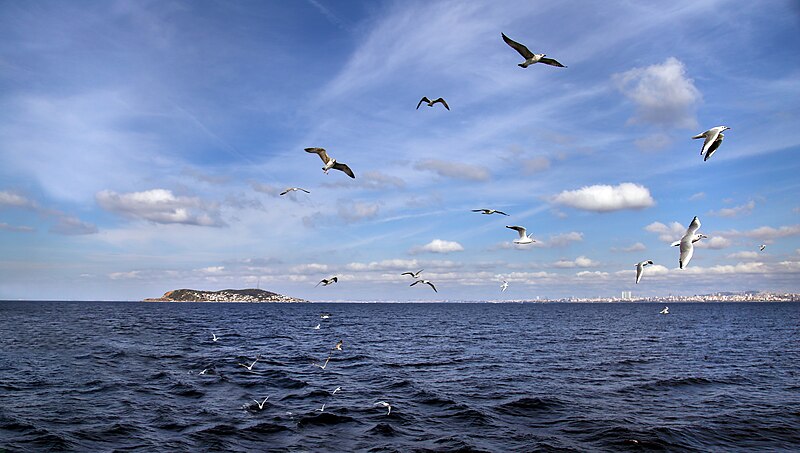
(226,295)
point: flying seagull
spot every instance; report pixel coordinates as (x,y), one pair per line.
(489,211)
(762,247)
(261,404)
(323,365)
(322,409)
(640,268)
(330,163)
(325,315)
(337,389)
(665,311)
(524,238)
(530,57)
(338,346)
(250,367)
(326,282)
(713,138)
(504,286)
(317,327)
(384,404)
(425,282)
(413,274)
(214,337)
(294,189)
(687,242)
(430,103)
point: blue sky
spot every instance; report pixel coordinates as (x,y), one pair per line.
(143,145)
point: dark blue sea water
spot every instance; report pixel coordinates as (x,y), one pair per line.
(94,376)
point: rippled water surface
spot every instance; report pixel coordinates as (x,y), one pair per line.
(468,377)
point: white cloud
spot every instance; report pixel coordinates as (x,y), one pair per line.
(605,198)
(385,265)
(72,226)
(580,261)
(744,209)
(592,274)
(667,233)
(160,206)
(310,268)
(535,165)
(562,239)
(744,255)
(768,233)
(455,170)
(714,243)
(439,246)
(637,247)
(356,211)
(266,188)
(370,180)
(19,229)
(11,199)
(662,93)
(697,196)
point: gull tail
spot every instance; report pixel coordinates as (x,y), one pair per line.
(699,136)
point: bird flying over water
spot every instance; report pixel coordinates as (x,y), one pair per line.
(530,57)
(317,327)
(214,337)
(324,364)
(524,238)
(687,242)
(713,138)
(413,274)
(338,346)
(665,311)
(325,315)
(430,103)
(640,268)
(425,282)
(326,282)
(330,163)
(504,286)
(762,247)
(250,367)
(384,404)
(261,404)
(294,189)
(322,409)
(489,211)
(337,389)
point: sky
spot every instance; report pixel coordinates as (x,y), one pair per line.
(143,145)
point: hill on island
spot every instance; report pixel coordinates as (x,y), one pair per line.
(225,295)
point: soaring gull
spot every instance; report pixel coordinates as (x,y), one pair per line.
(425,282)
(713,138)
(489,211)
(330,163)
(214,337)
(665,311)
(504,286)
(338,346)
(384,404)
(261,404)
(762,247)
(530,57)
(413,274)
(326,282)
(687,242)
(250,367)
(640,268)
(294,189)
(524,237)
(430,103)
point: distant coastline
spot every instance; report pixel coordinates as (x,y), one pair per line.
(226,295)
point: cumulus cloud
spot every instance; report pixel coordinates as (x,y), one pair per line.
(605,198)
(10,199)
(637,247)
(667,233)
(310,268)
(767,233)
(19,229)
(735,211)
(72,226)
(160,206)
(563,239)
(455,170)
(385,265)
(714,243)
(744,255)
(580,261)
(662,93)
(439,246)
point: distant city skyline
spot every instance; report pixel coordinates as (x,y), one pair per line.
(144,145)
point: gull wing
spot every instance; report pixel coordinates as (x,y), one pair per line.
(714,146)
(343,167)
(521,230)
(526,54)
(408,273)
(418,281)
(551,62)
(431,285)
(711,137)
(500,212)
(693,227)
(687,250)
(321,153)
(639,269)
(424,99)
(286,191)
(479,210)
(443,103)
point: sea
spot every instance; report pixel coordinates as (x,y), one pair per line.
(524,377)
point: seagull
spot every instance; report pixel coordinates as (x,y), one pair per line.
(250,367)
(430,103)
(326,282)
(330,163)
(687,242)
(336,390)
(261,404)
(214,337)
(504,286)
(413,274)
(338,346)
(322,409)
(665,311)
(425,282)
(205,370)
(530,57)
(317,327)
(489,211)
(326,315)
(324,365)
(294,189)
(713,138)
(640,269)
(762,247)
(524,238)
(384,404)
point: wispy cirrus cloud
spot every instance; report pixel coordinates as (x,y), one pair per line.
(454,170)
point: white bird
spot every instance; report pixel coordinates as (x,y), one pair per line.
(384,404)
(317,327)
(261,404)
(322,409)
(336,390)
(294,189)
(204,371)
(250,367)
(214,337)
(326,315)
(504,286)
(524,238)
(323,365)
(413,274)
(326,282)
(330,163)
(430,103)
(530,57)
(640,268)
(338,346)
(425,282)
(687,242)
(762,247)
(489,211)
(665,311)
(713,138)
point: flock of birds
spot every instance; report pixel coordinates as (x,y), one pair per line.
(262,404)
(712,141)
